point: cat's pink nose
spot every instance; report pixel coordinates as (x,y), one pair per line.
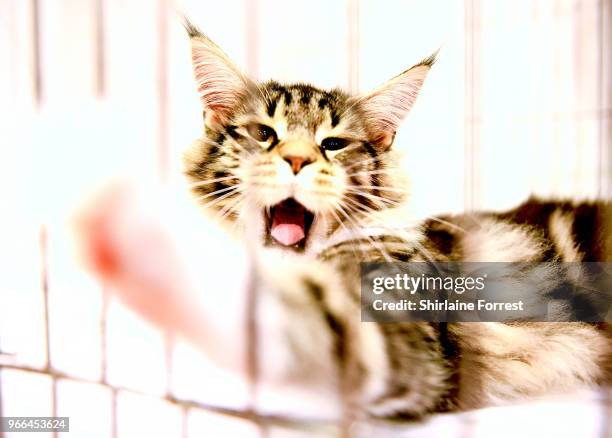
(297,163)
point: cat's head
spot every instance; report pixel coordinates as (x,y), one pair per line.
(292,164)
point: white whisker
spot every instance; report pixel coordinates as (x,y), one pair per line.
(230,208)
(377,198)
(359,229)
(381,188)
(219,199)
(364,162)
(211,181)
(394,231)
(208,195)
(373,172)
(332,211)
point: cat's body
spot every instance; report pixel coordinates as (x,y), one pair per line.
(409,369)
(307,177)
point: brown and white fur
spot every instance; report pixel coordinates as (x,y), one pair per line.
(309,181)
(266,143)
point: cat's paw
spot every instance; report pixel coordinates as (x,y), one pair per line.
(159,255)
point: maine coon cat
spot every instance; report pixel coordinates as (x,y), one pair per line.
(310,176)
(309,182)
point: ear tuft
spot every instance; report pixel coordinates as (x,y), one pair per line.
(429,61)
(386,107)
(191,29)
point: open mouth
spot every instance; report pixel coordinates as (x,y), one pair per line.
(288,224)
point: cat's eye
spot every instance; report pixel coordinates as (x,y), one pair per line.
(334,143)
(261,132)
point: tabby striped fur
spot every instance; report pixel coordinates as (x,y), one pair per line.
(308,312)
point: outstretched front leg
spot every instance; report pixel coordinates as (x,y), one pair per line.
(299,316)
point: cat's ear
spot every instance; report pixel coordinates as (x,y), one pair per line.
(385,108)
(221,84)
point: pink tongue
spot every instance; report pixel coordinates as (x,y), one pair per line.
(288,224)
